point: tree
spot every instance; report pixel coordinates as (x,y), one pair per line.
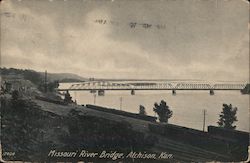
(53,85)
(246,90)
(67,98)
(163,111)
(142,110)
(228,116)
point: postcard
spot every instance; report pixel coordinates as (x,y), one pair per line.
(124,81)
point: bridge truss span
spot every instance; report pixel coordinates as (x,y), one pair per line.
(152,85)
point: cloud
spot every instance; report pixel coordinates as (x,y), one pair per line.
(200,41)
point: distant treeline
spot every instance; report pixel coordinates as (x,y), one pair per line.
(30,75)
(38,78)
(35,76)
(70,80)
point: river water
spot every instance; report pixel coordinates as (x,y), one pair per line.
(187,106)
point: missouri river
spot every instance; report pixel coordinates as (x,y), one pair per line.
(187,106)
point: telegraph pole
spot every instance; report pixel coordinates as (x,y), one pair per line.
(204,119)
(120,103)
(94,98)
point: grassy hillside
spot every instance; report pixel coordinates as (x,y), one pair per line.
(32,133)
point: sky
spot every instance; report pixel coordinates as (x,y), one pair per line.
(185,39)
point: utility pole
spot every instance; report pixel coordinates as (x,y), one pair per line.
(94,98)
(120,103)
(204,119)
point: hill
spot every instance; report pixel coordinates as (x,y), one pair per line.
(64,77)
(38,77)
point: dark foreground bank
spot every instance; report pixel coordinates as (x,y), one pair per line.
(37,130)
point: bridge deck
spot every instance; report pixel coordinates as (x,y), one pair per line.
(107,85)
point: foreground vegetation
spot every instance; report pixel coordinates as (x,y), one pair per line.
(31,133)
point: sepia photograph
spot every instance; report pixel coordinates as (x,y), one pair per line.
(124,81)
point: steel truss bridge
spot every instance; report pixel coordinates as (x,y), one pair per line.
(101,86)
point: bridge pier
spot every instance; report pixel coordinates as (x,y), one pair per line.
(173,92)
(211,92)
(132,92)
(101,92)
(92,91)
